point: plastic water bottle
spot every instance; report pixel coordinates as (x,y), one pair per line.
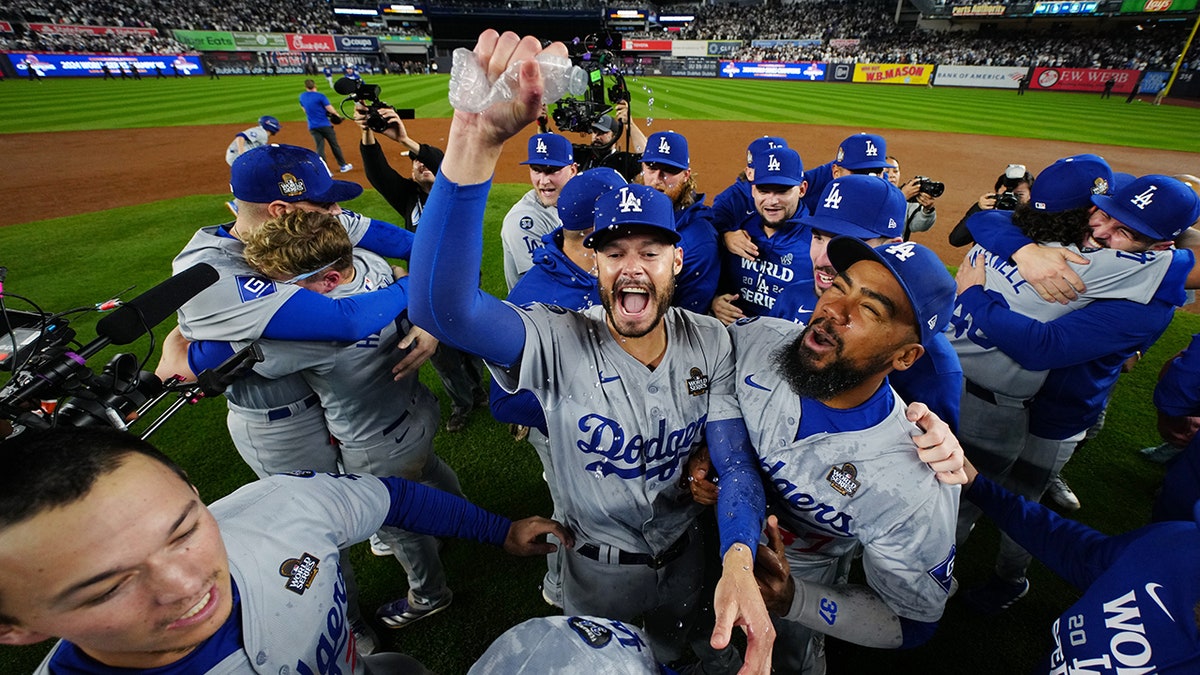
(470,91)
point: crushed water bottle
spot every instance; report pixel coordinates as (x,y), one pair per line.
(470,91)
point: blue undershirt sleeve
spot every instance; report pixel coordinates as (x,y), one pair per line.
(521,407)
(916,633)
(206,354)
(312,316)
(419,508)
(444,273)
(388,240)
(997,235)
(741,505)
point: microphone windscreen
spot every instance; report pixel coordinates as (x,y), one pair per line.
(149,309)
(345,86)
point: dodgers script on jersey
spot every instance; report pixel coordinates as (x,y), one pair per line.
(240,305)
(620,432)
(1111,274)
(835,490)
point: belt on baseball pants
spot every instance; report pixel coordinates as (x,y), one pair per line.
(287,411)
(994,398)
(654,562)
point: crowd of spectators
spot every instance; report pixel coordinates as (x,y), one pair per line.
(868,27)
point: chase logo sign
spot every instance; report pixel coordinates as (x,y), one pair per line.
(300,572)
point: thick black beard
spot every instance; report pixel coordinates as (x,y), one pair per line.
(794,361)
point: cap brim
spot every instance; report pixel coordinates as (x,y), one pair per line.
(666,162)
(553,162)
(776,180)
(866,165)
(340,191)
(1128,217)
(845,251)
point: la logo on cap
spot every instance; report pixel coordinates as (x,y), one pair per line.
(541,147)
(630,203)
(772,163)
(872,151)
(1145,199)
(902,251)
(663,146)
(834,200)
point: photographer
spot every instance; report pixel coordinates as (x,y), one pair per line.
(610,136)
(922,211)
(1012,188)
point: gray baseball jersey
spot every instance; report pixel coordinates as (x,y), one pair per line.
(1110,274)
(240,305)
(283,546)
(620,433)
(521,234)
(256,137)
(567,645)
(837,489)
(364,405)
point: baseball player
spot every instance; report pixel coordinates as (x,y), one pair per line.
(252,584)
(837,455)
(321,116)
(384,425)
(1139,589)
(551,164)
(1175,396)
(736,202)
(562,275)
(781,238)
(865,208)
(627,388)
(1133,283)
(666,167)
(254,137)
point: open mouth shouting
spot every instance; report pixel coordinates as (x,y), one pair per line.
(824,277)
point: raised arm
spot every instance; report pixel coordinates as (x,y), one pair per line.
(449,245)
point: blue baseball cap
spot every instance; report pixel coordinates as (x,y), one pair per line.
(630,208)
(1120,180)
(929,287)
(1070,183)
(1157,206)
(863,151)
(859,206)
(777,166)
(763,143)
(288,173)
(577,201)
(667,147)
(269,123)
(550,150)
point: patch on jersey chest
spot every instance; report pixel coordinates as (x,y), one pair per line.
(844,479)
(697,383)
(526,223)
(300,572)
(253,288)
(943,573)
(595,635)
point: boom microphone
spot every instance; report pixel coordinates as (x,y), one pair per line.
(345,86)
(149,309)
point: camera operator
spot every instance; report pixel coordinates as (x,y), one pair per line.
(922,211)
(1012,188)
(610,135)
(460,373)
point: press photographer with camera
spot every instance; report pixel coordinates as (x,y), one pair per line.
(461,375)
(921,192)
(617,142)
(1012,188)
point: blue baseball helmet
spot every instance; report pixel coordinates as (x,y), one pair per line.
(269,123)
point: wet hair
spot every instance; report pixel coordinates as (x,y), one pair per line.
(1063,227)
(42,470)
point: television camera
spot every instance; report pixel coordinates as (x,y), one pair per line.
(49,365)
(358,91)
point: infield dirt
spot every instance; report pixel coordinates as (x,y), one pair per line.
(73,172)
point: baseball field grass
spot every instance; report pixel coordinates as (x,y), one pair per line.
(87,104)
(85,259)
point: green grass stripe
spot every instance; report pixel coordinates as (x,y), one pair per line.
(58,105)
